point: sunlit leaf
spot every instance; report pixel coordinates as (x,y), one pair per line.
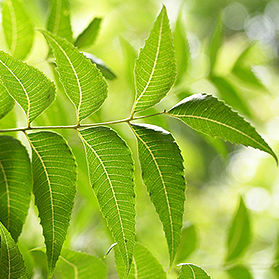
(15,184)
(89,34)
(54,172)
(155,68)
(238,272)
(11,262)
(27,85)
(111,174)
(82,81)
(59,22)
(191,271)
(18,28)
(73,265)
(207,114)
(144,265)
(239,234)
(6,101)
(163,175)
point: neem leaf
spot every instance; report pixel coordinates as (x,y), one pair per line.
(207,114)
(155,68)
(18,28)
(28,86)
(11,261)
(54,173)
(111,173)
(192,271)
(6,101)
(163,174)
(82,81)
(15,184)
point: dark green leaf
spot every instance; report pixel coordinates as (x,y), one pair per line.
(15,184)
(191,271)
(238,272)
(207,114)
(163,175)
(54,172)
(6,101)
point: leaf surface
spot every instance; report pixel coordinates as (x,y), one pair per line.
(15,184)
(11,262)
(82,81)
(208,115)
(192,271)
(54,173)
(239,271)
(59,22)
(28,86)
(18,28)
(155,68)
(111,173)
(6,101)
(163,175)
(77,265)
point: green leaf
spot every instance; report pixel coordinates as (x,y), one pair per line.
(89,34)
(82,81)
(11,262)
(111,173)
(191,271)
(208,115)
(54,172)
(145,265)
(27,85)
(163,175)
(239,234)
(16,184)
(239,271)
(155,68)
(6,101)
(59,22)
(18,28)
(73,265)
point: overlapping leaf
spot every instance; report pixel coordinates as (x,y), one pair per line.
(82,81)
(162,172)
(54,172)
(27,85)
(76,265)
(207,114)
(15,184)
(59,22)
(192,271)
(111,174)
(155,68)
(11,262)
(18,28)
(6,101)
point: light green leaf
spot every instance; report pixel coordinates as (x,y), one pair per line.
(73,265)
(155,68)
(163,175)
(6,101)
(144,265)
(207,114)
(54,172)
(89,34)
(11,262)
(18,28)
(192,271)
(238,272)
(239,234)
(27,85)
(111,173)
(15,184)
(59,22)
(82,81)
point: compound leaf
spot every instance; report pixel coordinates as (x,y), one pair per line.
(163,175)
(28,86)
(207,114)
(11,261)
(59,22)
(111,173)
(192,271)
(6,101)
(18,28)
(155,68)
(15,184)
(82,81)
(54,172)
